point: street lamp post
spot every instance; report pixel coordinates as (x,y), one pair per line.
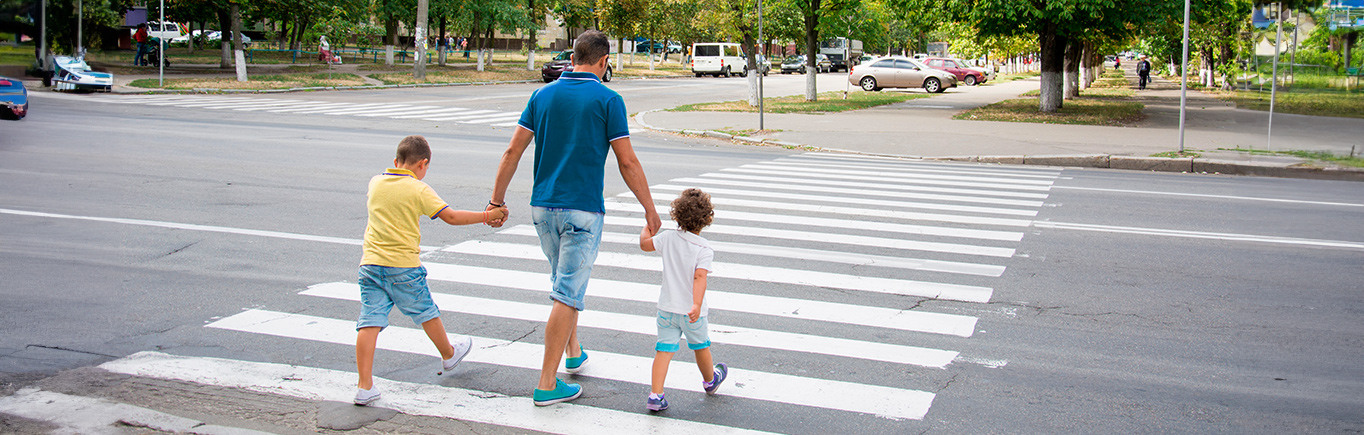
(1184,78)
(761,42)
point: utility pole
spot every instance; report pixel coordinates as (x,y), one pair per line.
(761,42)
(419,39)
(80,21)
(1184,78)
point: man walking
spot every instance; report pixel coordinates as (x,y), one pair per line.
(574,121)
(1143,72)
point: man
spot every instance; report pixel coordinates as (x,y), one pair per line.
(1143,72)
(574,121)
(140,37)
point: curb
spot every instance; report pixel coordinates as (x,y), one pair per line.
(1101,161)
(134,91)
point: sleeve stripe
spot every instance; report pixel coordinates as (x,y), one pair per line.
(618,137)
(525,127)
(433,215)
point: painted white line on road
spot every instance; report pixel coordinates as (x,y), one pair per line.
(434,112)
(393,111)
(859,211)
(312,104)
(1203,195)
(239,102)
(785,307)
(326,108)
(470,114)
(768,194)
(745,383)
(934,174)
(822,188)
(363,109)
(254,104)
(195,100)
(648,325)
(861,176)
(92,415)
(878,186)
(310,383)
(934,290)
(508,117)
(1201,235)
(934,165)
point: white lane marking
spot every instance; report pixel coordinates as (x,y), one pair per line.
(914,167)
(767,170)
(234,103)
(197,227)
(464,115)
(386,112)
(859,211)
(296,106)
(310,383)
(493,115)
(254,104)
(908,173)
(930,163)
(509,117)
(767,194)
(513,124)
(878,186)
(434,112)
(1203,195)
(325,108)
(79,414)
(194,100)
(1201,235)
(360,109)
(786,307)
(647,325)
(746,383)
(934,290)
(856,191)
(612,204)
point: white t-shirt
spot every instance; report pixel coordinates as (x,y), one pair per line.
(683,253)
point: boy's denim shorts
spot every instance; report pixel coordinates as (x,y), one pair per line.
(382,287)
(570,239)
(672,327)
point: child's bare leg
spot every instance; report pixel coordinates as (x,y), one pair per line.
(435,330)
(707,366)
(661,362)
(365,340)
(573,346)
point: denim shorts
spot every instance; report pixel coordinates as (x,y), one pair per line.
(672,327)
(570,239)
(382,287)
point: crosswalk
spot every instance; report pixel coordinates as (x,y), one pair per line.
(835,245)
(462,115)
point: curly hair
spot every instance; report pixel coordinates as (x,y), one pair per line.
(692,210)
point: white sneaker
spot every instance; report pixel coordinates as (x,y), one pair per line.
(461,349)
(365,397)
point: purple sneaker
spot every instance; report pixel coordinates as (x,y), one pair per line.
(721,371)
(656,403)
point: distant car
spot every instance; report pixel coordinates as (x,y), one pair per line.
(796,64)
(563,63)
(184,39)
(649,47)
(719,59)
(214,36)
(961,70)
(13,99)
(900,72)
(674,48)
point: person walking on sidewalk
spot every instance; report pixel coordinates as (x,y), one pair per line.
(575,122)
(682,308)
(1143,72)
(141,38)
(391,272)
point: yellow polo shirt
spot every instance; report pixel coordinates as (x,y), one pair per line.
(393,235)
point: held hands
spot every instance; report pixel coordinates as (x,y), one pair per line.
(497,215)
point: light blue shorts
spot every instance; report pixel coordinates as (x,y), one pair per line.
(672,327)
(570,239)
(382,287)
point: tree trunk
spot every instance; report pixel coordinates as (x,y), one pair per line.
(1072,69)
(530,35)
(225,24)
(753,68)
(421,29)
(390,39)
(811,48)
(237,42)
(444,46)
(1085,71)
(1052,63)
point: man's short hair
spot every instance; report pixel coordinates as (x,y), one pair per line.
(590,47)
(413,149)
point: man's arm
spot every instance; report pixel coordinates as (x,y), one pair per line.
(507,168)
(633,173)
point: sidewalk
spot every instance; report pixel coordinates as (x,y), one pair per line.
(924,128)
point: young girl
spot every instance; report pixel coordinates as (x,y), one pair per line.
(682,301)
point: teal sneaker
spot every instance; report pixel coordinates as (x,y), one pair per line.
(575,364)
(562,392)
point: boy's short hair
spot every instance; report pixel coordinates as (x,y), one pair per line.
(692,210)
(413,149)
(590,47)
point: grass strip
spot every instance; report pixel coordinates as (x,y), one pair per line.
(258,82)
(1076,112)
(1320,156)
(1315,102)
(827,102)
(452,75)
(1093,92)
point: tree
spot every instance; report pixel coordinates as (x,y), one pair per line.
(811,12)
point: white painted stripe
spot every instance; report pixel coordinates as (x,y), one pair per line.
(233,103)
(196,227)
(390,112)
(1201,235)
(785,307)
(825,255)
(956,292)
(505,124)
(363,108)
(461,116)
(498,115)
(788,172)
(878,186)
(786,220)
(510,117)
(254,104)
(302,105)
(974,167)
(750,384)
(647,325)
(195,100)
(824,188)
(858,211)
(433,112)
(310,383)
(1202,195)
(767,194)
(922,166)
(935,175)
(92,415)
(326,108)
(133,99)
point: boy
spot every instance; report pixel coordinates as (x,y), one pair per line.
(682,305)
(391,272)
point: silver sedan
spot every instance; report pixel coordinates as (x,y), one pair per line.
(900,72)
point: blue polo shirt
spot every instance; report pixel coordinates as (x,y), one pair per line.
(574,121)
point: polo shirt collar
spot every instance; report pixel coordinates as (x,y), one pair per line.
(400,172)
(688,236)
(580,76)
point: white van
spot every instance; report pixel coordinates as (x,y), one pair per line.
(718,59)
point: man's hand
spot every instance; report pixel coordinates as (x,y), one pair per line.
(651,221)
(498,215)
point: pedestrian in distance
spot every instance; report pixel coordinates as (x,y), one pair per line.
(391,272)
(1143,72)
(464,45)
(141,38)
(1117,63)
(575,121)
(682,308)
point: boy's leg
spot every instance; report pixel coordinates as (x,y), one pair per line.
(705,363)
(435,330)
(365,340)
(661,362)
(562,323)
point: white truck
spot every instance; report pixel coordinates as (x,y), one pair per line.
(842,52)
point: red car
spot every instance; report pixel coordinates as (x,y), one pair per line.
(964,74)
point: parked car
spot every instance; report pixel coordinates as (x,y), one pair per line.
(987,68)
(564,63)
(649,47)
(718,59)
(965,74)
(184,39)
(900,72)
(73,74)
(796,64)
(213,36)
(13,99)
(167,30)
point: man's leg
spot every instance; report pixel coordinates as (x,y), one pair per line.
(572,350)
(562,324)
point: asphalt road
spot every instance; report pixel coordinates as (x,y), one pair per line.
(1121,301)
